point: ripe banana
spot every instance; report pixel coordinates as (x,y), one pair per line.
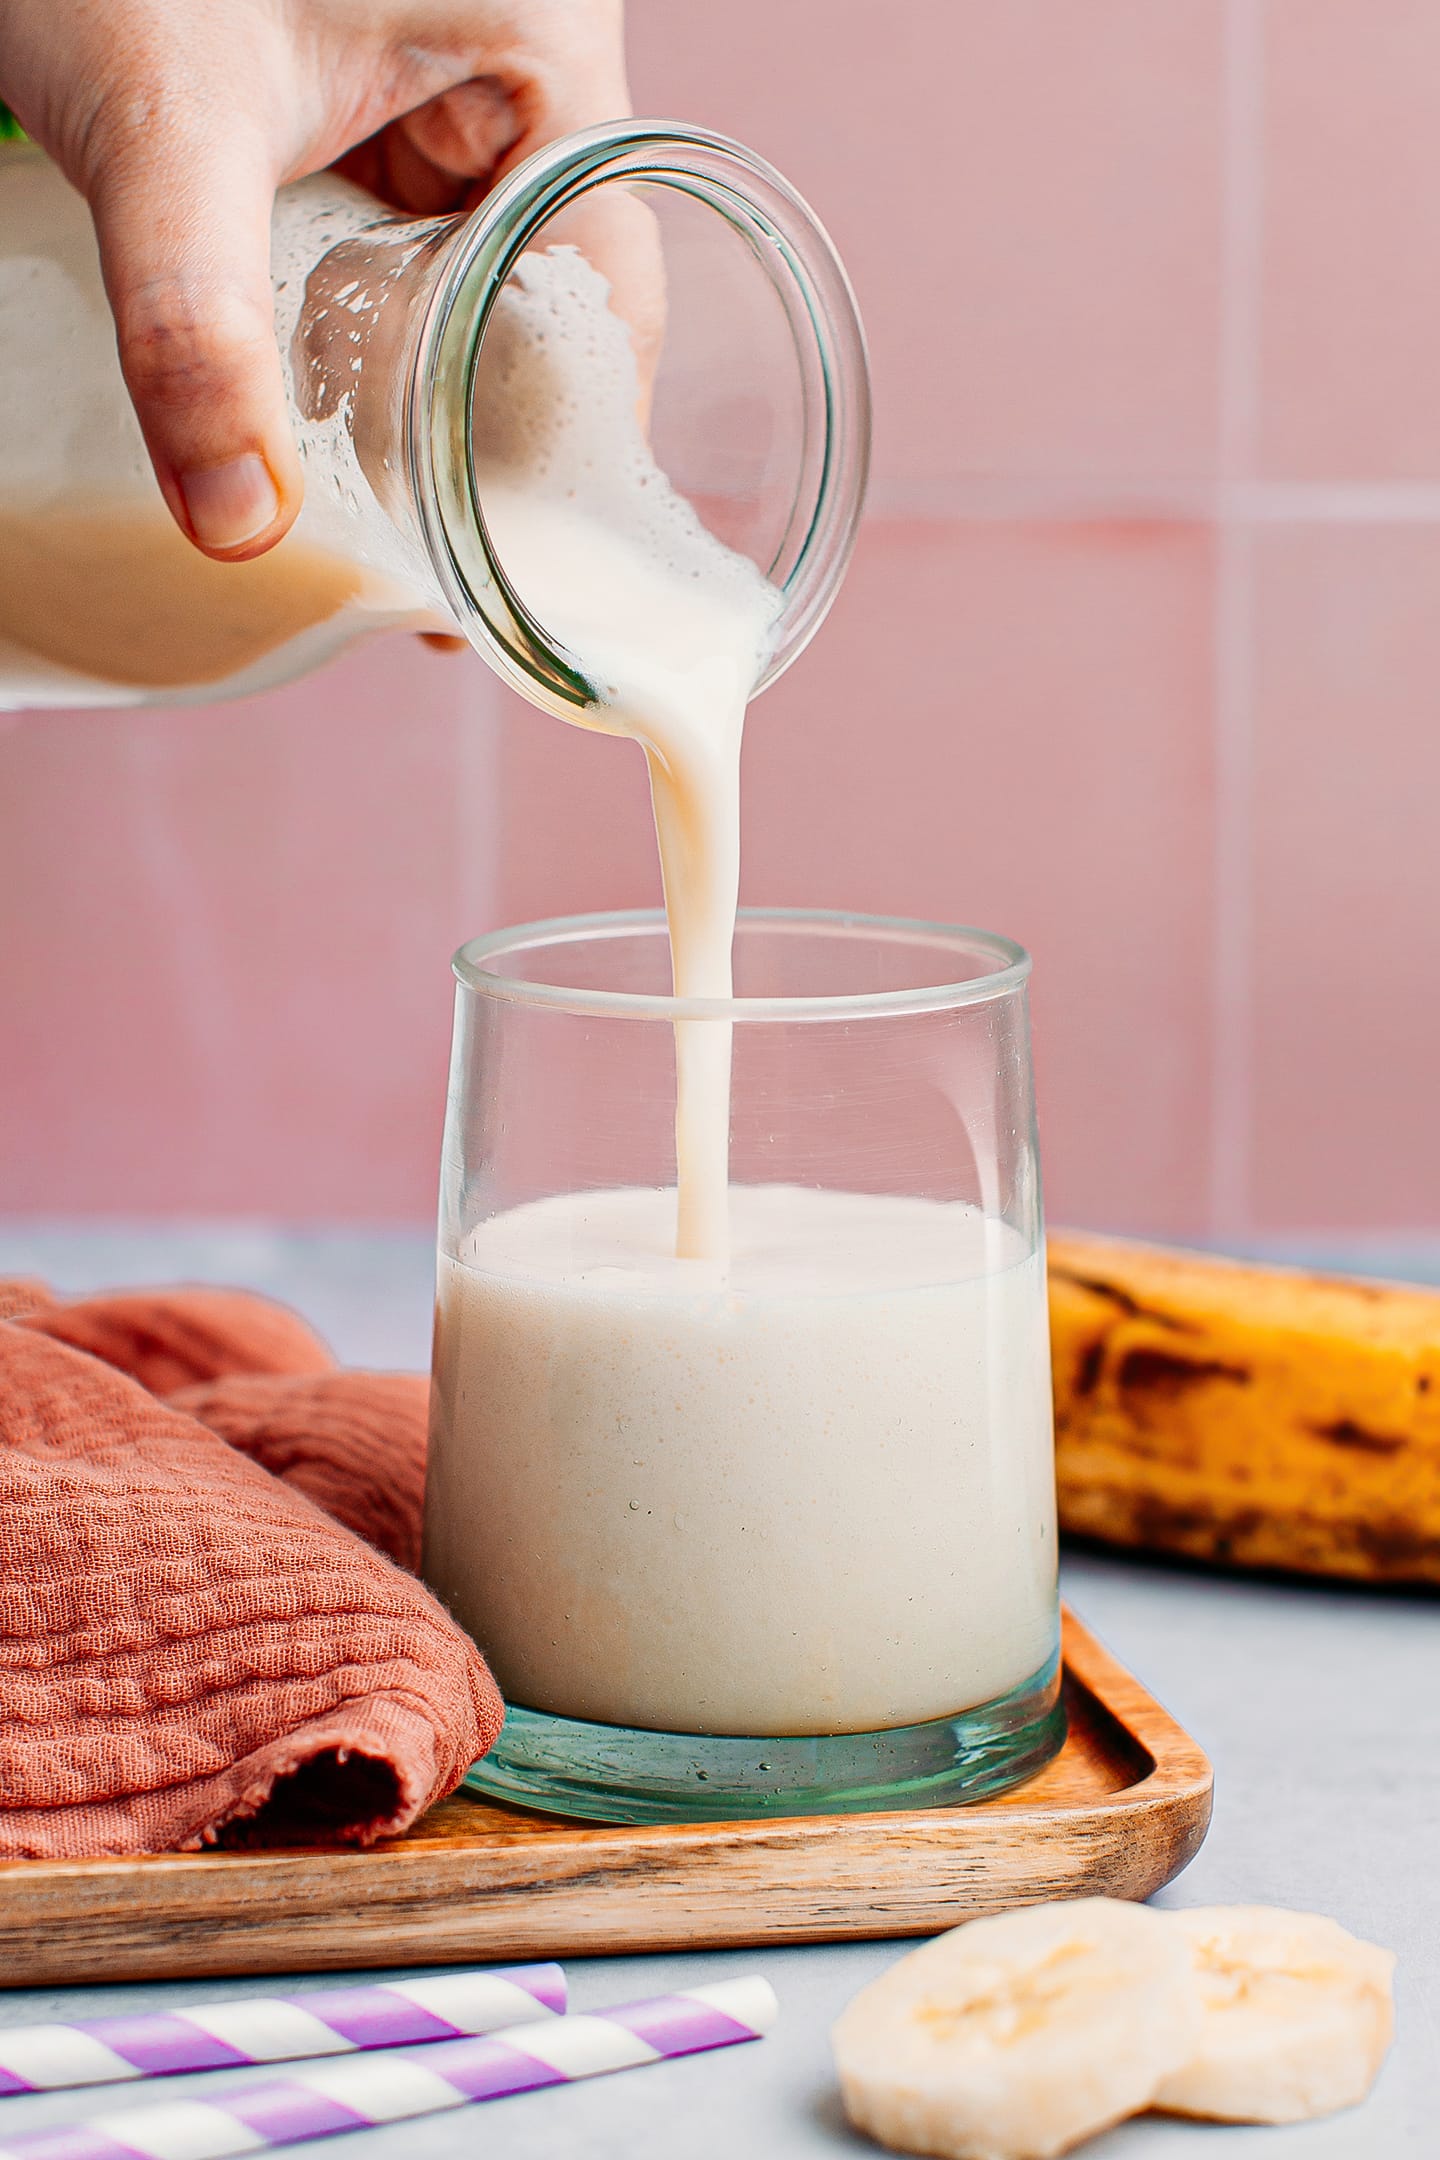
(1297,2016)
(1014,2037)
(1255,1416)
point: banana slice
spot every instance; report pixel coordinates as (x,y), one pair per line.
(1015,2037)
(1297,2016)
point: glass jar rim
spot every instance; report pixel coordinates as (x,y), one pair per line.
(473,969)
(761,203)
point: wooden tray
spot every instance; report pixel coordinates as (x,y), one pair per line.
(1119,1812)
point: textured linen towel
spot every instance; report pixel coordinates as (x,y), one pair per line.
(191,1651)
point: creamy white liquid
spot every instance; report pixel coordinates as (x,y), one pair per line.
(810,1492)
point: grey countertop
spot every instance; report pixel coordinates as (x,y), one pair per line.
(1319,1707)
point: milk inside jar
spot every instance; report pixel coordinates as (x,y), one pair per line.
(103,601)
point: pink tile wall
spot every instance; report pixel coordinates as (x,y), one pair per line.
(224,972)
(1036,760)
(1136,661)
(1026,196)
(1350,304)
(1346,926)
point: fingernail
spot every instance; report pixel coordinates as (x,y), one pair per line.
(229,504)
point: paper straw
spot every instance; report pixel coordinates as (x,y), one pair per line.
(330,2097)
(275,2028)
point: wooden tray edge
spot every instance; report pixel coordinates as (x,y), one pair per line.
(588,1891)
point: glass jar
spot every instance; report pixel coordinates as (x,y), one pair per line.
(777,1535)
(755,386)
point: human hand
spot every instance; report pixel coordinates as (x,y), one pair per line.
(178,119)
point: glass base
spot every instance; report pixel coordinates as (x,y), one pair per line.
(621,1774)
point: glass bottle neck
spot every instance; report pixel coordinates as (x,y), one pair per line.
(397,317)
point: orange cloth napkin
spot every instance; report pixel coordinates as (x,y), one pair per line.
(191,1651)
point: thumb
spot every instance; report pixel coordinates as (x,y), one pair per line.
(184,232)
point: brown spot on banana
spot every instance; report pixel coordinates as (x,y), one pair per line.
(1147,1371)
(1346,1433)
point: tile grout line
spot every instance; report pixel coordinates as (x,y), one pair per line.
(1138,498)
(1232,1031)
(152,763)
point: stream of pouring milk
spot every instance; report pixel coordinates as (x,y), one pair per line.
(671,626)
(791,1471)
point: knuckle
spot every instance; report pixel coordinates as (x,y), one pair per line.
(183,348)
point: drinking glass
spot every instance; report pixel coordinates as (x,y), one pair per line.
(771,1532)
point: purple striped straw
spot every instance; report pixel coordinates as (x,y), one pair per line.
(321,2100)
(276,2028)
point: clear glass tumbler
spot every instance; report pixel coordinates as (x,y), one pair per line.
(773,1534)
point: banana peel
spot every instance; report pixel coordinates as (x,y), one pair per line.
(1254,1416)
